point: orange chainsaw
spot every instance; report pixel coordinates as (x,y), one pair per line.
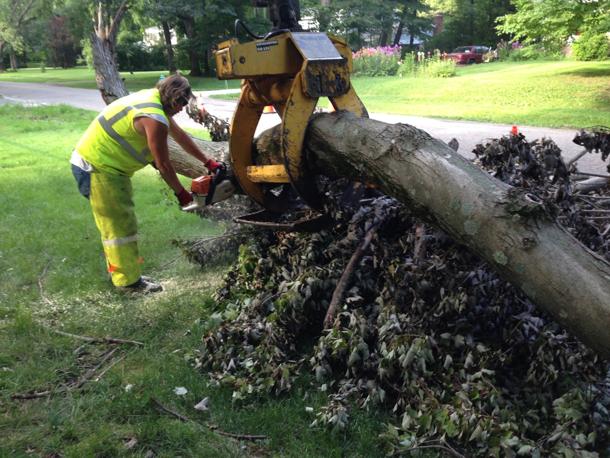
(210,189)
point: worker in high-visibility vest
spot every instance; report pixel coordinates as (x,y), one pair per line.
(126,136)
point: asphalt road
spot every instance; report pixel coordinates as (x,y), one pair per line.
(467,133)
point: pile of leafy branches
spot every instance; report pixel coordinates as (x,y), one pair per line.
(425,329)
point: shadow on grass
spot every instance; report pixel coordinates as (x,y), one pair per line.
(590,72)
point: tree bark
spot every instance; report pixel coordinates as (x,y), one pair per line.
(187,165)
(167,34)
(13,59)
(107,77)
(2,68)
(383,38)
(505,226)
(398,34)
(103,39)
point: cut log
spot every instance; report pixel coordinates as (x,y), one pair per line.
(507,227)
(187,165)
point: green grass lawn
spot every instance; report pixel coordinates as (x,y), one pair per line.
(84,77)
(52,278)
(550,94)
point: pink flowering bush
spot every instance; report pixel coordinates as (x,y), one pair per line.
(379,61)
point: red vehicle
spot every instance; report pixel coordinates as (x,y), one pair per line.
(468,54)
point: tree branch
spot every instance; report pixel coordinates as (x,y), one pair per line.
(116,21)
(17,21)
(345,277)
(179,416)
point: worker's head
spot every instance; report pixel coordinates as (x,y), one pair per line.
(175,92)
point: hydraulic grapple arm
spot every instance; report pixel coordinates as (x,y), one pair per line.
(290,70)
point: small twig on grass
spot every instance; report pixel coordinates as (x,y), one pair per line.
(109,340)
(34,395)
(179,416)
(169,263)
(345,277)
(91,372)
(80,383)
(40,285)
(108,367)
(240,233)
(241,437)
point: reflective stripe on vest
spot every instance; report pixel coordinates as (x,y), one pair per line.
(120,241)
(112,143)
(108,123)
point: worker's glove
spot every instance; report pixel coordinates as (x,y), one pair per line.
(212,165)
(184,197)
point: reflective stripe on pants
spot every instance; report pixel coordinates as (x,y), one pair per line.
(113,211)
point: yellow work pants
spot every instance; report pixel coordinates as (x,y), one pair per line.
(113,210)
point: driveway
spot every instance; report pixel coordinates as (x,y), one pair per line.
(467,133)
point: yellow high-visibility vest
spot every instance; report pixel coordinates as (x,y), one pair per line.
(112,144)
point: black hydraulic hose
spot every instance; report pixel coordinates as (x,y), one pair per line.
(240,23)
(275,32)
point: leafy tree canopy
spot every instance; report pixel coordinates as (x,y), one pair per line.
(550,22)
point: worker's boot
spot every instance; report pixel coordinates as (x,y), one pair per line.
(144,285)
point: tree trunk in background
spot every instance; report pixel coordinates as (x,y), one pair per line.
(107,77)
(167,35)
(383,38)
(189,28)
(398,34)
(13,59)
(206,64)
(2,68)
(103,39)
(505,226)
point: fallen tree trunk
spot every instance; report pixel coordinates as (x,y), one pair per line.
(507,227)
(187,165)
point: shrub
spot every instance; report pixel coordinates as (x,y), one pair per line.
(591,46)
(135,55)
(380,61)
(532,53)
(87,52)
(437,68)
(408,67)
(434,66)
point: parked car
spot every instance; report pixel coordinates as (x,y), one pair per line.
(468,54)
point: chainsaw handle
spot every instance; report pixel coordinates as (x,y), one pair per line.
(219,174)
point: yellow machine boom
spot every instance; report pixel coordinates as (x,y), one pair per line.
(290,70)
